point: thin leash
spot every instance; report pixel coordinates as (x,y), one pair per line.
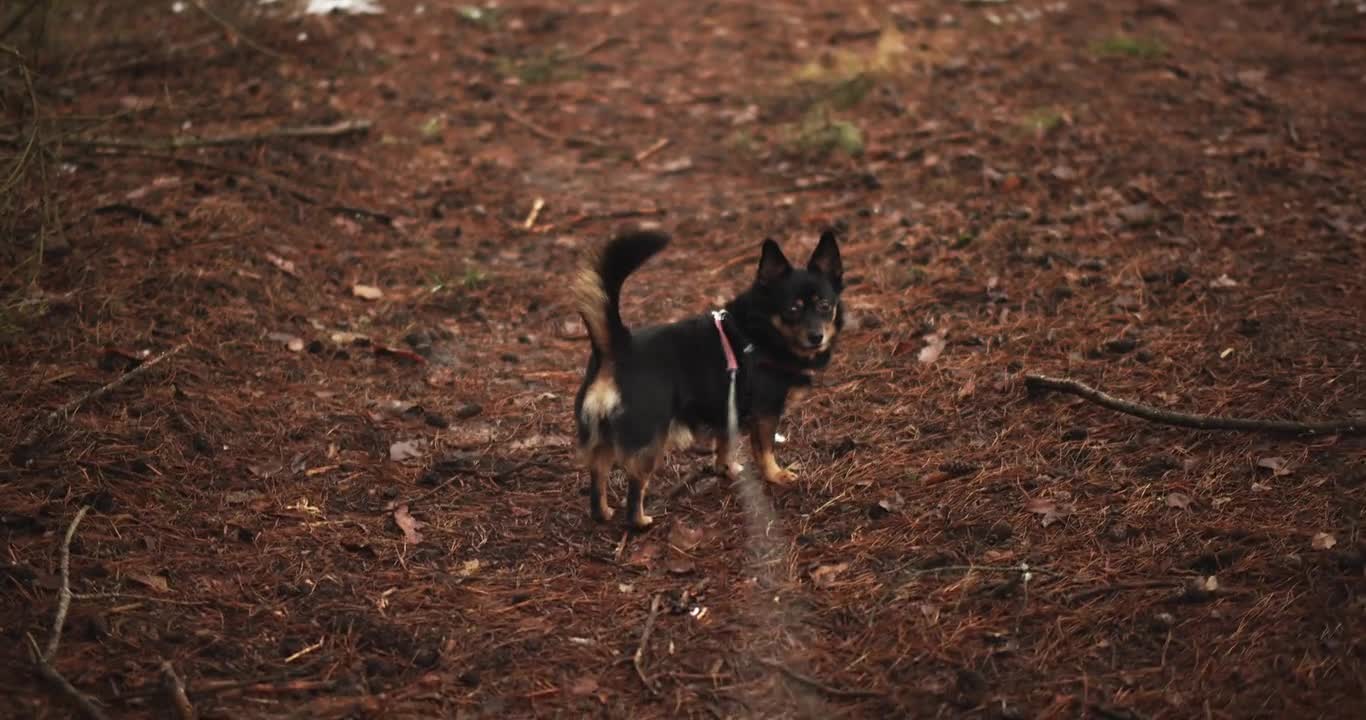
(732,369)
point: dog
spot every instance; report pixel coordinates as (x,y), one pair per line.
(647,390)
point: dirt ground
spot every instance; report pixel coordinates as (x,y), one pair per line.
(351,492)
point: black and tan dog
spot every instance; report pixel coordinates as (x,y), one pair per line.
(648,390)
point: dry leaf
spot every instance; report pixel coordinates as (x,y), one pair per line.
(407,449)
(684,537)
(156,582)
(934,347)
(1323,541)
(1223,282)
(584,686)
(644,555)
(367,292)
(1051,511)
(1180,501)
(285,266)
(824,575)
(1276,465)
(408,524)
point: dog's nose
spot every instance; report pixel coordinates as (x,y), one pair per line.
(814,338)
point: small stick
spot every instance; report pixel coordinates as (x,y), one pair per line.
(64,412)
(64,595)
(234,31)
(175,688)
(818,685)
(639,659)
(44,659)
(1191,420)
(548,135)
(344,127)
(536,206)
(660,144)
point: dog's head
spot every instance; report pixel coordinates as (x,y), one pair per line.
(802,305)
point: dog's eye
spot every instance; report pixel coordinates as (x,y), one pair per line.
(823,306)
(795,309)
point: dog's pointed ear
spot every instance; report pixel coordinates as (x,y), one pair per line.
(773,264)
(826,260)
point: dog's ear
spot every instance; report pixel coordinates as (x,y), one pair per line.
(826,260)
(773,264)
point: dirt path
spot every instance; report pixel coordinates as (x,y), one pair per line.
(1160,198)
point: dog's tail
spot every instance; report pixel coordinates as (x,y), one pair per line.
(597,287)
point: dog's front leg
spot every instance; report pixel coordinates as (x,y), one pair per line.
(761,442)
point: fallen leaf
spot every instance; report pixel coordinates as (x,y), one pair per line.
(239,497)
(679,564)
(1323,541)
(1275,464)
(285,266)
(584,686)
(934,347)
(408,449)
(968,389)
(684,537)
(469,568)
(644,555)
(929,612)
(824,575)
(408,524)
(367,292)
(1051,511)
(1223,282)
(1180,501)
(156,582)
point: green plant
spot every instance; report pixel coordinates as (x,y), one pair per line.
(1126,46)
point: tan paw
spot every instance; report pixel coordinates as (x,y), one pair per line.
(779,476)
(603,514)
(730,472)
(642,521)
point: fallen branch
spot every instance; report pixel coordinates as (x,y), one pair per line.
(233,31)
(64,412)
(815,684)
(548,135)
(43,659)
(337,129)
(638,661)
(175,689)
(1036,383)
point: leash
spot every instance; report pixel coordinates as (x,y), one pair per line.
(732,369)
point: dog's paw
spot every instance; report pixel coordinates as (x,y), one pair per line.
(603,514)
(642,521)
(780,476)
(731,472)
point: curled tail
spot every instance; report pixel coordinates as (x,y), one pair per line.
(597,287)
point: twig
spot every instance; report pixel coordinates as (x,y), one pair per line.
(17,172)
(982,568)
(63,595)
(175,688)
(64,412)
(336,129)
(19,17)
(44,659)
(639,659)
(233,31)
(548,135)
(818,685)
(536,207)
(660,144)
(1200,422)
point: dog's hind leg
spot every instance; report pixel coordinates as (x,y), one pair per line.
(638,472)
(600,471)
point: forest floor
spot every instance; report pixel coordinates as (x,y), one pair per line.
(351,490)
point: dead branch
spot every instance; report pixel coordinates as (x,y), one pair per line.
(336,129)
(815,684)
(64,412)
(43,659)
(175,689)
(639,659)
(234,31)
(1036,383)
(547,134)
